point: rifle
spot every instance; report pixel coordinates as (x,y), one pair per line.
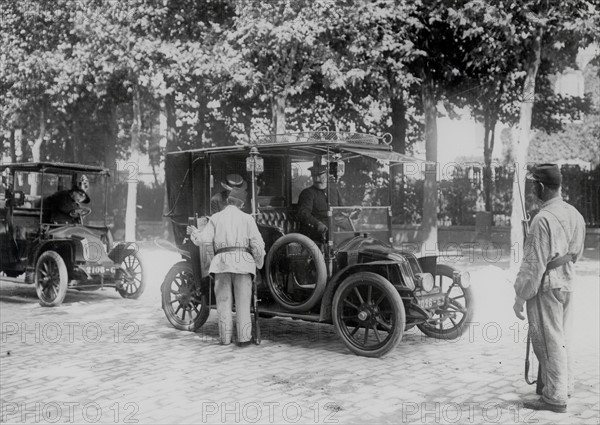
(255,305)
(525,226)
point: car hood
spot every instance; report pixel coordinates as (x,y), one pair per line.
(371,246)
(74,230)
(366,244)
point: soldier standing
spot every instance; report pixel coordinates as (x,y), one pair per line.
(546,282)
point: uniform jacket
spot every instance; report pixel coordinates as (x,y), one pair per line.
(59,205)
(313,205)
(232,228)
(558,229)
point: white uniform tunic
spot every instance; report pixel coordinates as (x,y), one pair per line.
(558,229)
(232,228)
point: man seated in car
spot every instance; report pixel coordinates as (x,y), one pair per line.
(313,204)
(64,202)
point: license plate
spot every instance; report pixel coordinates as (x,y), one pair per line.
(430,302)
(99,269)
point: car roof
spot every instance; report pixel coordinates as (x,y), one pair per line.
(316,143)
(54,167)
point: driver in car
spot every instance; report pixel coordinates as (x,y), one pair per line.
(313,203)
(63,203)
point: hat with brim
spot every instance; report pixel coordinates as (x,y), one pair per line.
(318,169)
(548,174)
(82,192)
(231,181)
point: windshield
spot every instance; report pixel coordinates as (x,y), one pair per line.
(375,221)
(364,182)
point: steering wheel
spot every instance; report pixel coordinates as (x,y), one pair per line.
(352,215)
(80,212)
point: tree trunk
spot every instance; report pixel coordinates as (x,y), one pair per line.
(520,147)
(169,142)
(36,149)
(201,121)
(110,135)
(13,148)
(136,124)
(488,147)
(430,198)
(398,132)
(278,113)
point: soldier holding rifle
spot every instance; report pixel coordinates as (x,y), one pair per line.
(545,282)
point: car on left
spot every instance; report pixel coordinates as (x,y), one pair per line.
(59,239)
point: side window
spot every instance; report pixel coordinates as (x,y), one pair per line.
(35,186)
(300,178)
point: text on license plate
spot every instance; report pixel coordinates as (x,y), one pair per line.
(430,302)
(99,269)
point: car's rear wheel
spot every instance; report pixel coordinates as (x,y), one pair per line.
(132,284)
(184,305)
(452,318)
(296,272)
(51,279)
(368,314)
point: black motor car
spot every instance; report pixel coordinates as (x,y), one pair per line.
(353,277)
(71,252)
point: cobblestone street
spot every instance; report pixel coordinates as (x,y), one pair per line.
(99,358)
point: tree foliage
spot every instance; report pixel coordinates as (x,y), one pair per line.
(219,72)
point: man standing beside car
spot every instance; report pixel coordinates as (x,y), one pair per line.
(546,281)
(239,251)
(313,203)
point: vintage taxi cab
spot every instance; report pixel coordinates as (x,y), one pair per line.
(71,253)
(353,277)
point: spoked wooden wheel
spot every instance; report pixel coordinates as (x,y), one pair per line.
(368,314)
(453,317)
(51,279)
(184,305)
(132,284)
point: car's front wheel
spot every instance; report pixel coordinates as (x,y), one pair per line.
(368,314)
(51,279)
(452,318)
(132,284)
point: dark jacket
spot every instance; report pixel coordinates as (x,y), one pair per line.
(313,206)
(59,205)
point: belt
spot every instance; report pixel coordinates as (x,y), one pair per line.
(233,249)
(560,261)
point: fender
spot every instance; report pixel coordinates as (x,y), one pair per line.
(66,248)
(334,282)
(121,250)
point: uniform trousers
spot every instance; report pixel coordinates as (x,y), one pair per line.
(242,288)
(550,315)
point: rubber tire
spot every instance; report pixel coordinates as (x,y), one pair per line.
(142,284)
(182,268)
(455,332)
(395,301)
(63,277)
(321,270)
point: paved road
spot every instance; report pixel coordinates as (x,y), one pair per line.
(102,359)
